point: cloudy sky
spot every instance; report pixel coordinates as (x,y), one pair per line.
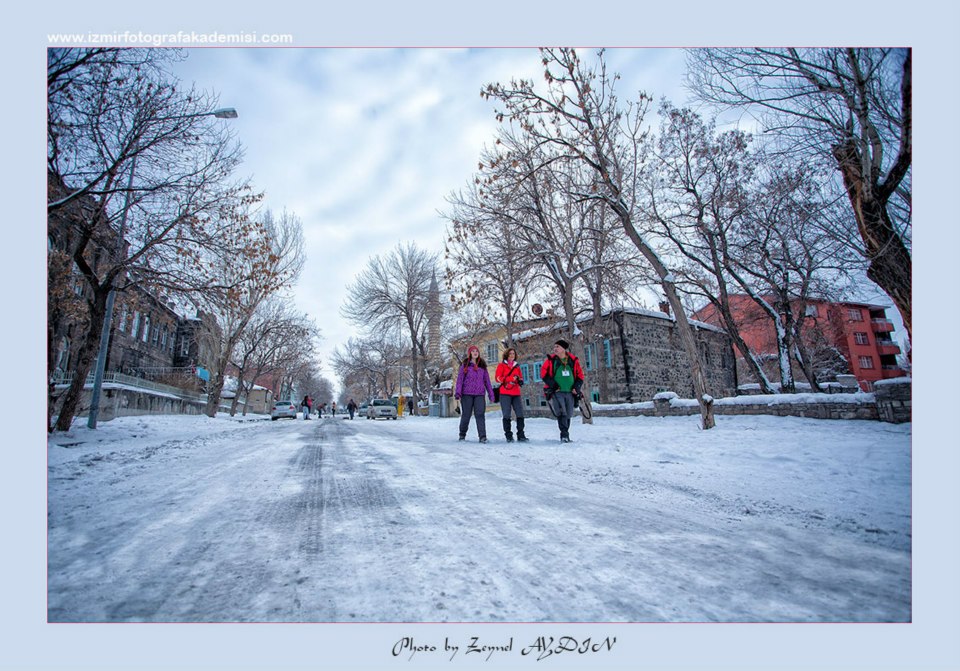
(931,32)
(364,145)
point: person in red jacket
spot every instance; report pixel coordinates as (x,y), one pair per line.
(510,377)
(562,379)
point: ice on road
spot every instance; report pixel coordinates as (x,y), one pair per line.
(192,519)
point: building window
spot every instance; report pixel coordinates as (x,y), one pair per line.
(156,336)
(492,352)
(854,314)
(185,347)
(163,337)
(811,311)
(607,354)
(136,324)
(63,356)
(525,371)
(122,324)
(866,362)
(588,356)
(595,396)
(146,328)
(861,338)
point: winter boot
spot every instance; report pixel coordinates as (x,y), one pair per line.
(506,430)
(520,435)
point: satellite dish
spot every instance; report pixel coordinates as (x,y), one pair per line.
(537,309)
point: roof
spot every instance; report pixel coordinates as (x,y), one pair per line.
(643,312)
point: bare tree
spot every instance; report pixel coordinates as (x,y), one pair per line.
(488,264)
(274,340)
(241,283)
(580,117)
(849,107)
(393,292)
(695,193)
(369,364)
(139,177)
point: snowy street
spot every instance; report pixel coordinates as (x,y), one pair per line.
(188,519)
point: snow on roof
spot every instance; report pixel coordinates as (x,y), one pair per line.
(893,380)
(588,316)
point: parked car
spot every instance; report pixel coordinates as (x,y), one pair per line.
(283,409)
(381,407)
(362,409)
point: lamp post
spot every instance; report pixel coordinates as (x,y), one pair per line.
(222,113)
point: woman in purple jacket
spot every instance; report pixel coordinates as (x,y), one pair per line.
(473,381)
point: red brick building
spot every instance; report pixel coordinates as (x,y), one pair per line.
(859,333)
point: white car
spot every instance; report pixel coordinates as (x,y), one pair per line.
(381,407)
(283,409)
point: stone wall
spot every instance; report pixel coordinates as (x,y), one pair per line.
(890,403)
(894,399)
(654,359)
(646,357)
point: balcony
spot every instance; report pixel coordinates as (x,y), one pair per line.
(887,348)
(882,325)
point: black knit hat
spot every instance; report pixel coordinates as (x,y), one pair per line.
(563,343)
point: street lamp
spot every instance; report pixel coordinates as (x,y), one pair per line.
(221,113)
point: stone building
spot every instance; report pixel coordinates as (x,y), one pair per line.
(148,337)
(630,356)
(143,334)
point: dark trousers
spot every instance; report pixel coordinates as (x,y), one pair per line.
(476,406)
(511,405)
(562,404)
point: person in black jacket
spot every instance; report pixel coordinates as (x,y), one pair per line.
(562,381)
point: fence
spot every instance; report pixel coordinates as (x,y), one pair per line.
(125,395)
(131,381)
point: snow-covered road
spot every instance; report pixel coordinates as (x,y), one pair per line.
(639,520)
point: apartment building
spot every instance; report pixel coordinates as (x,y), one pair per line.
(840,337)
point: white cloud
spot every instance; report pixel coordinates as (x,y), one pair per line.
(364,144)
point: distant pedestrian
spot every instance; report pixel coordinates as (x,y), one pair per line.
(333,409)
(562,379)
(320,407)
(305,407)
(510,377)
(351,407)
(473,381)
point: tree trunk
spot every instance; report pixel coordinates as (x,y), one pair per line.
(748,357)
(891,266)
(704,400)
(216,387)
(85,359)
(803,359)
(785,346)
(236,401)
